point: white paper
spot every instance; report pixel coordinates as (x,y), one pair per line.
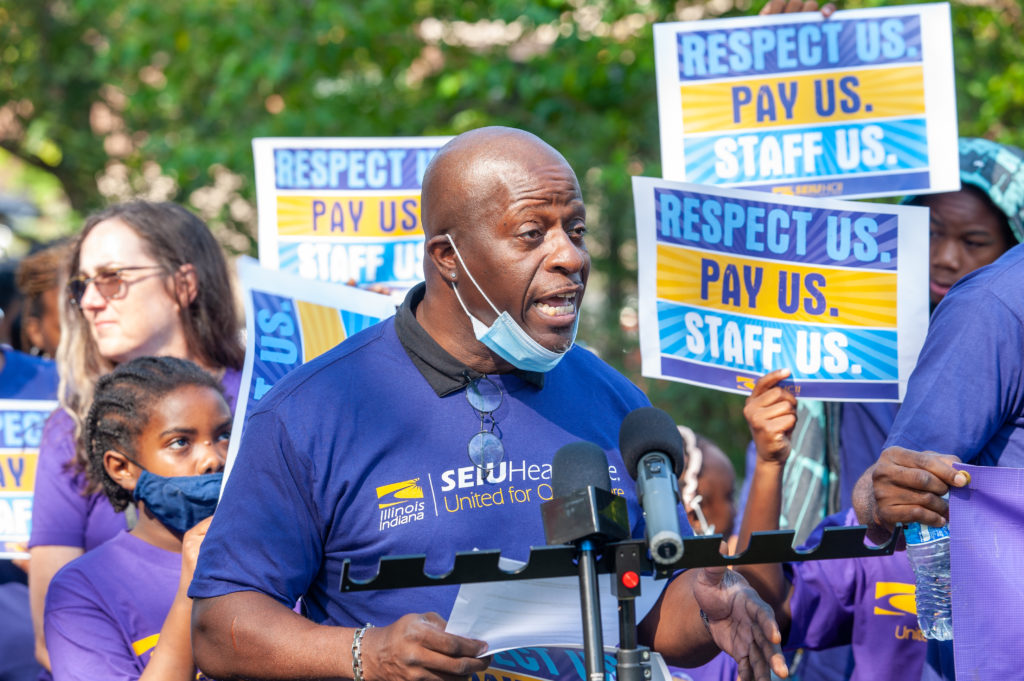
(539,612)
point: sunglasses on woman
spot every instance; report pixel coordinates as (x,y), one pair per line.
(110,284)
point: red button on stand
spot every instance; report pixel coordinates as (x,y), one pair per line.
(630,579)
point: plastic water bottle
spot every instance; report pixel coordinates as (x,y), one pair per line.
(928,551)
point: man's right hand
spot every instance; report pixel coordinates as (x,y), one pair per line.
(908,486)
(417,648)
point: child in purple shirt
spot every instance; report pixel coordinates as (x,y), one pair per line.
(156,436)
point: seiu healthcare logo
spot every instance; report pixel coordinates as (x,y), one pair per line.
(895,598)
(400,503)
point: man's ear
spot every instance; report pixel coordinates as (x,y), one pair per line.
(120,469)
(442,255)
(186,284)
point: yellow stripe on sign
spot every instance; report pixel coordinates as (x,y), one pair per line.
(321,328)
(144,645)
(852,297)
(396,215)
(782,100)
(18,471)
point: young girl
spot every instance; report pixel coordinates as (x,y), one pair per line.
(156,436)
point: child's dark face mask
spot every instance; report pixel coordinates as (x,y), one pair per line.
(179,502)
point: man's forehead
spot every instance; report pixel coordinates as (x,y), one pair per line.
(496,149)
(494,168)
(549,183)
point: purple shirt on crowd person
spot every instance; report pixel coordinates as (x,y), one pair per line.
(720,668)
(23,377)
(868,602)
(105,610)
(61,514)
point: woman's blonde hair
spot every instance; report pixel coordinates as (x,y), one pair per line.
(173,237)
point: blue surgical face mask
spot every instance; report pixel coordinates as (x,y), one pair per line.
(179,502)
(506,338)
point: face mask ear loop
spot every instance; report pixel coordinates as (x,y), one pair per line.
(133,461)
(694,462)
(470,275)
(705,529)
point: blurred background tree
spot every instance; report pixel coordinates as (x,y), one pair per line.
(103,100)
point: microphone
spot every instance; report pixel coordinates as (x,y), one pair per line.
(584,512)
(582,504)
(652,450)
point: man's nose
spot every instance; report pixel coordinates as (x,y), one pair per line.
(566,255)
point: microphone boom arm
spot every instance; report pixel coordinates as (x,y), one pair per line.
(396,572)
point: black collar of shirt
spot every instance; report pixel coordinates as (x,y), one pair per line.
(444,373)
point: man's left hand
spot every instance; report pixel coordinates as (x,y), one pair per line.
(740,623)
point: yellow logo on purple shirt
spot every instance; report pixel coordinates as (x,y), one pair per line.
(897,597)
(399,493)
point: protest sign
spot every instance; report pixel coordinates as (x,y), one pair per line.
(21,431)
(289,321)
(862,104)
(986,544)
(734,284)
(343,210)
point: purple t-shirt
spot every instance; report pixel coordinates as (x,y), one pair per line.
(105,609)
(325,474)
(61,514)
(720,668)
(966,394)
(17,642)
(25,377)
(863,428)
(866,602)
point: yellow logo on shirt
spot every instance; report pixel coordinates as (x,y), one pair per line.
(399,493)
(897,597)
(144,645)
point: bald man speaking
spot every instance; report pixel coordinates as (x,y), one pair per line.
(431,433)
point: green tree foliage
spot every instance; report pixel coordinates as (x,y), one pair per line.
(120,97)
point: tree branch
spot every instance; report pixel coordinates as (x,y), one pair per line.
(30,159)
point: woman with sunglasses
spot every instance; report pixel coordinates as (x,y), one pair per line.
(143,279)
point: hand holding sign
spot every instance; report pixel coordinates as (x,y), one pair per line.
(771,412)
(790,6)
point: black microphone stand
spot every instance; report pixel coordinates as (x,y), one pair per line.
(632,662)
(593,638)
(590,517)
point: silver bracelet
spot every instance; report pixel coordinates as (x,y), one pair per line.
(357,652)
